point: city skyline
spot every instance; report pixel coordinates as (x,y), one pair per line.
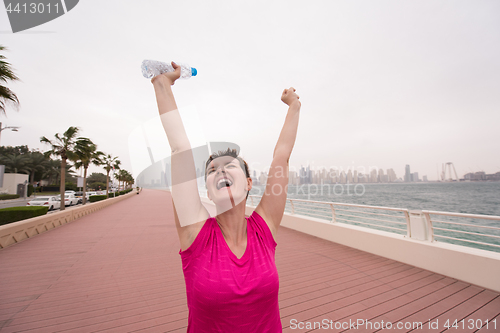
(305,175)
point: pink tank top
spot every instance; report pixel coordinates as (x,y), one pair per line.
(227,294)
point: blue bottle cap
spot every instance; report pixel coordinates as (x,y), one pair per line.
(193,71)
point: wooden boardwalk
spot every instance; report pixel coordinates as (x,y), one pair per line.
(118,270)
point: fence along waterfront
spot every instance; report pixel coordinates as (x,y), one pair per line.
(455,228)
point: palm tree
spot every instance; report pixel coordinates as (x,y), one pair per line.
(129,179)
(109,162)
(53,171)
(62,147)
(37,162)
(122,177)
(85,154)
(15,163)
(6,74)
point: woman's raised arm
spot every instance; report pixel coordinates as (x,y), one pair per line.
(272,204)
(188,209)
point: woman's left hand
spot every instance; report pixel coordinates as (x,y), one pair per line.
(289,96)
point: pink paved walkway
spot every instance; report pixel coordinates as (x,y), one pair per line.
(118,270)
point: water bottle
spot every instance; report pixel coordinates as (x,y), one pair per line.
(151,68)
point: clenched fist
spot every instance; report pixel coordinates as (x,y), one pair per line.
(289,97)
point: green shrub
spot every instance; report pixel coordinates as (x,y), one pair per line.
(95,198)
(14,214)
(8,196)
(70,187)
(51,188)
(30,190)
(117,193)
(97,186)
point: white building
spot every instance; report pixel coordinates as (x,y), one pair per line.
(10,182)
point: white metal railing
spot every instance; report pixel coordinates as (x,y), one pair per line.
(473,232)
(457,228)
(393,219)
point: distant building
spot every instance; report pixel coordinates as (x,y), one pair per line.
(424,178)
(482,176)
(494,176)
(255,180)
(407,173)
(391,176)
(380,177)
(333,176)
(342,178)
(262,178)
(349,176)
(362,178)
(415,177)
(293,179)
(305,175)
(323,178)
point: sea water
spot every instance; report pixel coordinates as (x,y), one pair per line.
(457,197)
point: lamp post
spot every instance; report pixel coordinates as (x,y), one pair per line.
(13,128)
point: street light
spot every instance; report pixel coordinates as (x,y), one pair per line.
(13,128)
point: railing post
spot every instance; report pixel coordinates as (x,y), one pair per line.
(408,226)
(251,200)
(333,213)
(293,208)
(430,229)
(421,229)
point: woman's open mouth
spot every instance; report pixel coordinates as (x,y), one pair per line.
(223,183)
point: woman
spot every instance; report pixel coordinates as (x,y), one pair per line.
(228,261)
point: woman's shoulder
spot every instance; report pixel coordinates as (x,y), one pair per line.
(262,228)
(203,234)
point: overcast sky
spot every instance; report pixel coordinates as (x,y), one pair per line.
(382,83)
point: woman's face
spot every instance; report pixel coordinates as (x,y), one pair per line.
(227,183)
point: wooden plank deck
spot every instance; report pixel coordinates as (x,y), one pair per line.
(118,270)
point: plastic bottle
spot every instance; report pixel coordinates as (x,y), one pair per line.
(151,68)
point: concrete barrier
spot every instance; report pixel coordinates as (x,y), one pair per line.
(16,232)
(471,265)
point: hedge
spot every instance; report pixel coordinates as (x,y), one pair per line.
(118,193)
(56,188)
(94,198)
(14,214)
(8,196)
(48,188)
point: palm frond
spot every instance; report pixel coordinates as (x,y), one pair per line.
(6,74)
